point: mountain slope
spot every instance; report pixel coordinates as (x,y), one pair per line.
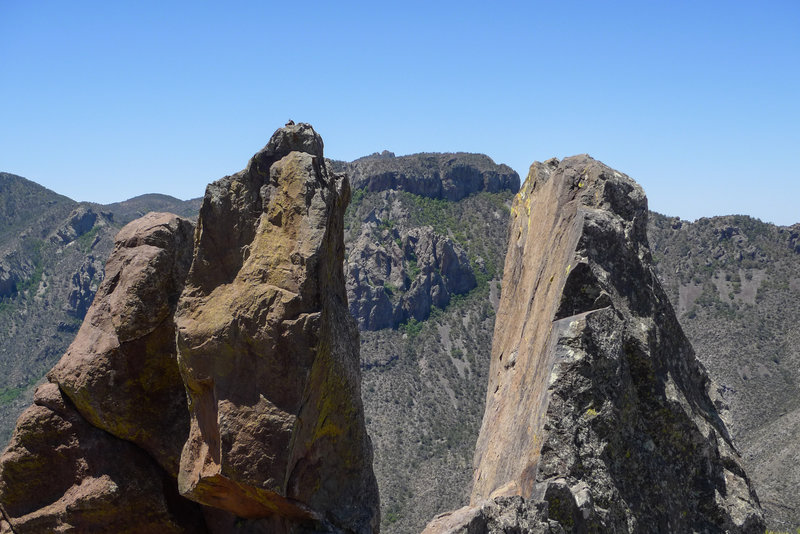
(424,379)
(735,283)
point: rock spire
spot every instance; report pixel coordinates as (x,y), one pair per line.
(215,384)
(599,417)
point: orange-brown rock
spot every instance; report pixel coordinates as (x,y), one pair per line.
(599,417)
(61,474)
(121,372)
(269,352)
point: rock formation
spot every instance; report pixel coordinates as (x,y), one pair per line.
(389,283)
(598,415)
(72,464)
(447,176)
(121,371)
(272,438)
(268,349)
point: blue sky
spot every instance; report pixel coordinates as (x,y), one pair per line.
(698,101)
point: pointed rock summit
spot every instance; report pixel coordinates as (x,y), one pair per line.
(599,417)
(268,349)
(254,413)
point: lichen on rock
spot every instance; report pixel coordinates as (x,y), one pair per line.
(597,405)
(268,350)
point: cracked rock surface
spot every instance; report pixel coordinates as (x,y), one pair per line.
(597,406)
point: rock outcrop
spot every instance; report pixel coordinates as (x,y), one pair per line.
(597,405)
(450,176)
(272,438)
(80,221)
(121,371)
(73,463)
(399,279)
(268,350)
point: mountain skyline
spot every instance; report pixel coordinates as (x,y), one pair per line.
(696,102)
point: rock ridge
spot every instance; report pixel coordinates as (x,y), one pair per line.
(597,406)
(449,176)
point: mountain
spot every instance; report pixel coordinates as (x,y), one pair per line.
(424,379)
(735,283)
(423,283)
(598,414)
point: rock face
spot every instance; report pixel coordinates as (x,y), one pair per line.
(389,283)
(121,371)
(268,350)
(597,405)
(450,176)
(256,333)
(64,469)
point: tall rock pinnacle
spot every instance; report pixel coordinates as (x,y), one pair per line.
(268,350)
(247,319)
(599,417)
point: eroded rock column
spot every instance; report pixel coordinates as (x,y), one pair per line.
(268,349)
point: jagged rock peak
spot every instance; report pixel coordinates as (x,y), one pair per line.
(269,352)
(597,405)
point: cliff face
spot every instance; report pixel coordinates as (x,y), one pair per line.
(597,413)
(449,176)
(268,349)
(273,435)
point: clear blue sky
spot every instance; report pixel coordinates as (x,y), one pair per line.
(698,101)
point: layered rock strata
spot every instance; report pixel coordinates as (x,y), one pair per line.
(272,438)
(268,350)
(450,176)
(597,406)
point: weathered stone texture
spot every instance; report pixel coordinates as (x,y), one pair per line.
(61,474)
(121,371)
(272,437)
(596,404)
(65,470)
(268,350)
(376,271)
(450,176)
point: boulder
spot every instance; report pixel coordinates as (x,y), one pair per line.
(121,371)
(61,474)
(269,352)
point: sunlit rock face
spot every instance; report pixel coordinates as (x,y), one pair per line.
(216,365)
(268,349)
(598,418)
